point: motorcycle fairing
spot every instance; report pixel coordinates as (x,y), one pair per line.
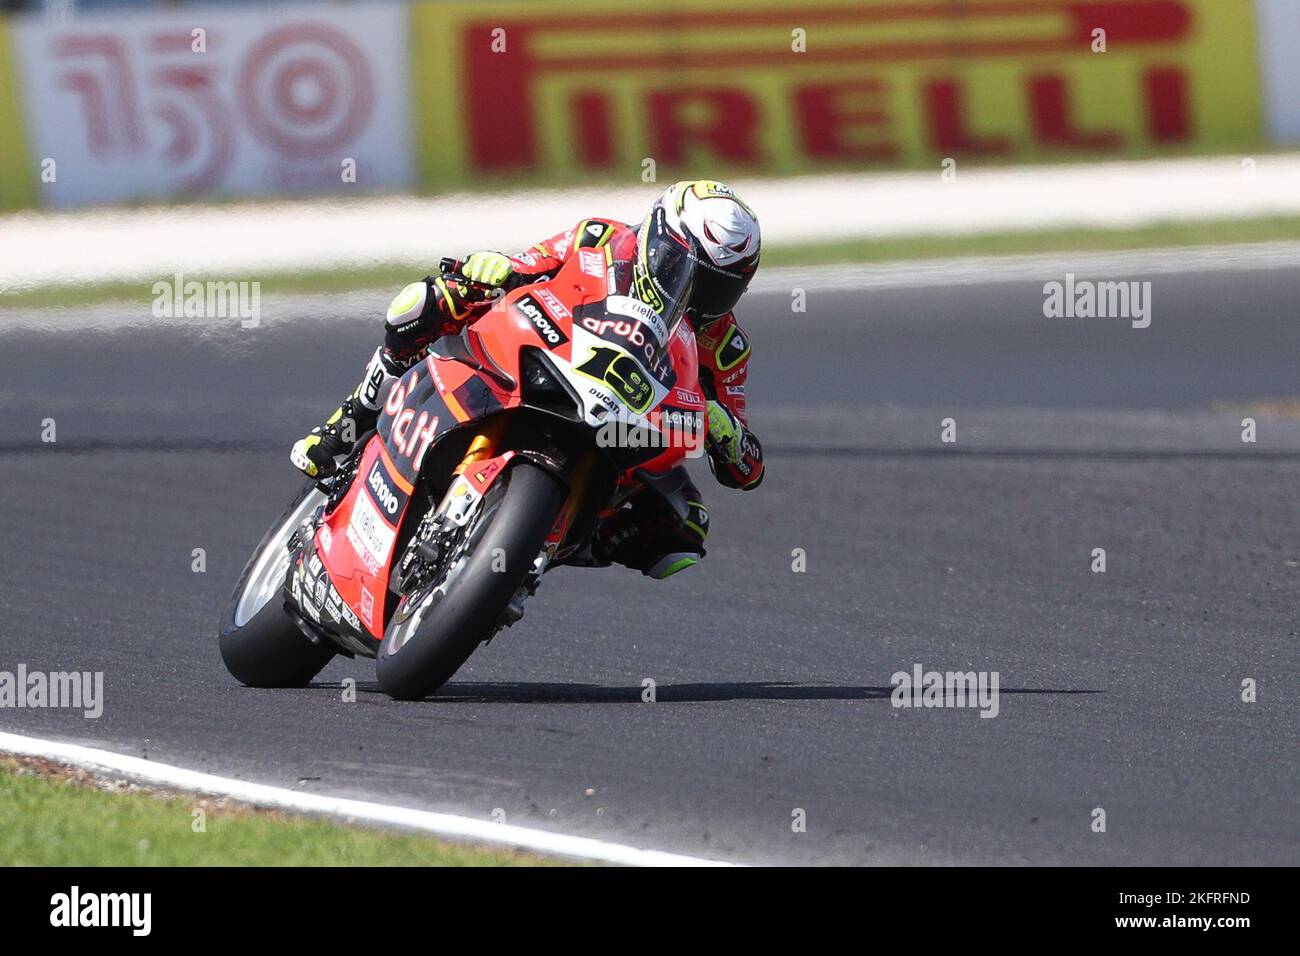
(349,560)
(355,542)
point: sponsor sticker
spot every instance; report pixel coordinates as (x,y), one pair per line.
(367,607)
(349,617)
(547,329)
(370,534)
(689,399)
(551,302)
(388,500)
(333,605)
(636,309)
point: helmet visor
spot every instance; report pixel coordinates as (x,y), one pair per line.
(667,270)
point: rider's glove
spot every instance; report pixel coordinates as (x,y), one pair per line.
(725,434)
(489,268)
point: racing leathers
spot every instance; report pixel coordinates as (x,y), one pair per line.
(647,533)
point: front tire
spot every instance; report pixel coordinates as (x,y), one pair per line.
(260,643)
(421,652)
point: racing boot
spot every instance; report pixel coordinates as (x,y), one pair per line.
(327,446)
(650,537)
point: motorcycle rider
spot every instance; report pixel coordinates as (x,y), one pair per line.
(721,232)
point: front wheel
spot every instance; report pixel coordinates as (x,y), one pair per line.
(260,643)
(434,630)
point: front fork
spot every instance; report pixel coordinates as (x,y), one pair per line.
(474,475)
(482,466)
(579,482)
(579,488)
(478,470)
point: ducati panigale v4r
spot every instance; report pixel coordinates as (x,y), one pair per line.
(494,458)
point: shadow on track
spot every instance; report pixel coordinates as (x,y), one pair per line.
(565,693)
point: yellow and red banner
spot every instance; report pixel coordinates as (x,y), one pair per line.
(556,91)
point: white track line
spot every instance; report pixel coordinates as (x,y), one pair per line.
(465,829)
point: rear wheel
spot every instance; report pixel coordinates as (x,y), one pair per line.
(436,628)
(260,643)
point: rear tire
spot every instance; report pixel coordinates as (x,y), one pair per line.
(268,649)
(474,601)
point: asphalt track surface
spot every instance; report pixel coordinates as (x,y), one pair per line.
(1119,690)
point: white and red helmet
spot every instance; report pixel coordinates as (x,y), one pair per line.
(723,232)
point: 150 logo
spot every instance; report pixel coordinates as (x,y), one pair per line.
(237,101)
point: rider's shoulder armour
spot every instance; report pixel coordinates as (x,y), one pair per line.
(408,306)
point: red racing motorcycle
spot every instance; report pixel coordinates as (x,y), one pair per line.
(493,459)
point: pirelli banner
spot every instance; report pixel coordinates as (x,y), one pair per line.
(792,86)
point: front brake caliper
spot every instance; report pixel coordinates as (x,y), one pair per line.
(433,539)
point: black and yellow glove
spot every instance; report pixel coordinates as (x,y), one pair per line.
(489,268)
(725,437)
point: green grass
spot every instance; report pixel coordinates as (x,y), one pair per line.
(389,277)
(58,821)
